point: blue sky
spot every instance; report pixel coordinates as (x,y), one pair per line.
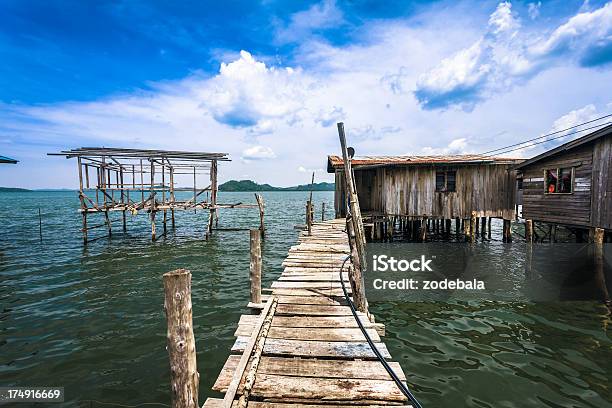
(267,81)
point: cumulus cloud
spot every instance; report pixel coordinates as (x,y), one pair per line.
(258,153)
(248,93)
(504,57)
(587,37)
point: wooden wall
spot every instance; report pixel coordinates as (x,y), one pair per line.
(569,209)
(490,190)
(601,197)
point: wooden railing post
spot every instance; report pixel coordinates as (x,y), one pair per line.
(184,376)
(255,266)
(354,228)
(308,218)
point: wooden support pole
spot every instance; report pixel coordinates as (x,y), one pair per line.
(108,224)
(82,199)
(261,206)
(448,227)
(308,220)
(598,236)
(529,231)
(152,197)
(489,228)
(123,203)
(423,230)
(255,266)
(507,231)
(473,227)
(457,226)
(483,226)
(323,211)
(477,225)
(213,197)
(354,229)
(184,376)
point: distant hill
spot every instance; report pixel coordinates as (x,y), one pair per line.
(12,189)
(249,185)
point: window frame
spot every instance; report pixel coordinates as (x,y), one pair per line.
(445,172)
(558,169)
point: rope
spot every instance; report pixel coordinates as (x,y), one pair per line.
(403,388)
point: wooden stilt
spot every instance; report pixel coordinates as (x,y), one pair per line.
(457,226)
(489,228)
(507,232)
(448,227)
(153,236)
(423,230)
(529,231)
(477,225)
(473,227)
(323,211)
(184,376)
(483,226)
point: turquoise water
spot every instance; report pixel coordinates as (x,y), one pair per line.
(91,320)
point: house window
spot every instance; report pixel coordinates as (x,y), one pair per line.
(559,181)
(446,181)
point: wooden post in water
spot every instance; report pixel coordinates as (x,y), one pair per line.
(489,228)
(457,226)
(483,226)
(529,231)
(507,231)
(473,226)
(184,376)
(423,230)
(255,266)
(261,206)
(323,211)
(308,220)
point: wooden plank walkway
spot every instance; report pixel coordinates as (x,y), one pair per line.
(315,354)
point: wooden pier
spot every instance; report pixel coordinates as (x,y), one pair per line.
(305,348)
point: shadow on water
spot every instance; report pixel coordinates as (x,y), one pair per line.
(91,320)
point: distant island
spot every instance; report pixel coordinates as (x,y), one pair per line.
(249,185)
(12,189)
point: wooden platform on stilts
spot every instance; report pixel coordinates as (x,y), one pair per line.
(314,353)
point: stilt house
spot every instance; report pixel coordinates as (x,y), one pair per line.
(571,185)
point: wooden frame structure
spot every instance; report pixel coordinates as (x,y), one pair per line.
(136,180)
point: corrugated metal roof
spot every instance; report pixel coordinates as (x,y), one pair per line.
(4,159)
(358,161)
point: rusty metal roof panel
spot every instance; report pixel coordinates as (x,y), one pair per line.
(360,161)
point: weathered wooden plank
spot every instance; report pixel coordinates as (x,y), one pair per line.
(218,403)
(307,333)
(313,310)
(317,322)
(306,285)
(310,300)
(300,367)
(301,348)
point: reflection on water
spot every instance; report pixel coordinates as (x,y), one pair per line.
(92,319)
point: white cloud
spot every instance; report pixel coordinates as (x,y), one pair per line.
(246,92)
(331,116)
(456,146)
(258,153)
(301,24)
(504,57)
(533,10)
(586,36)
